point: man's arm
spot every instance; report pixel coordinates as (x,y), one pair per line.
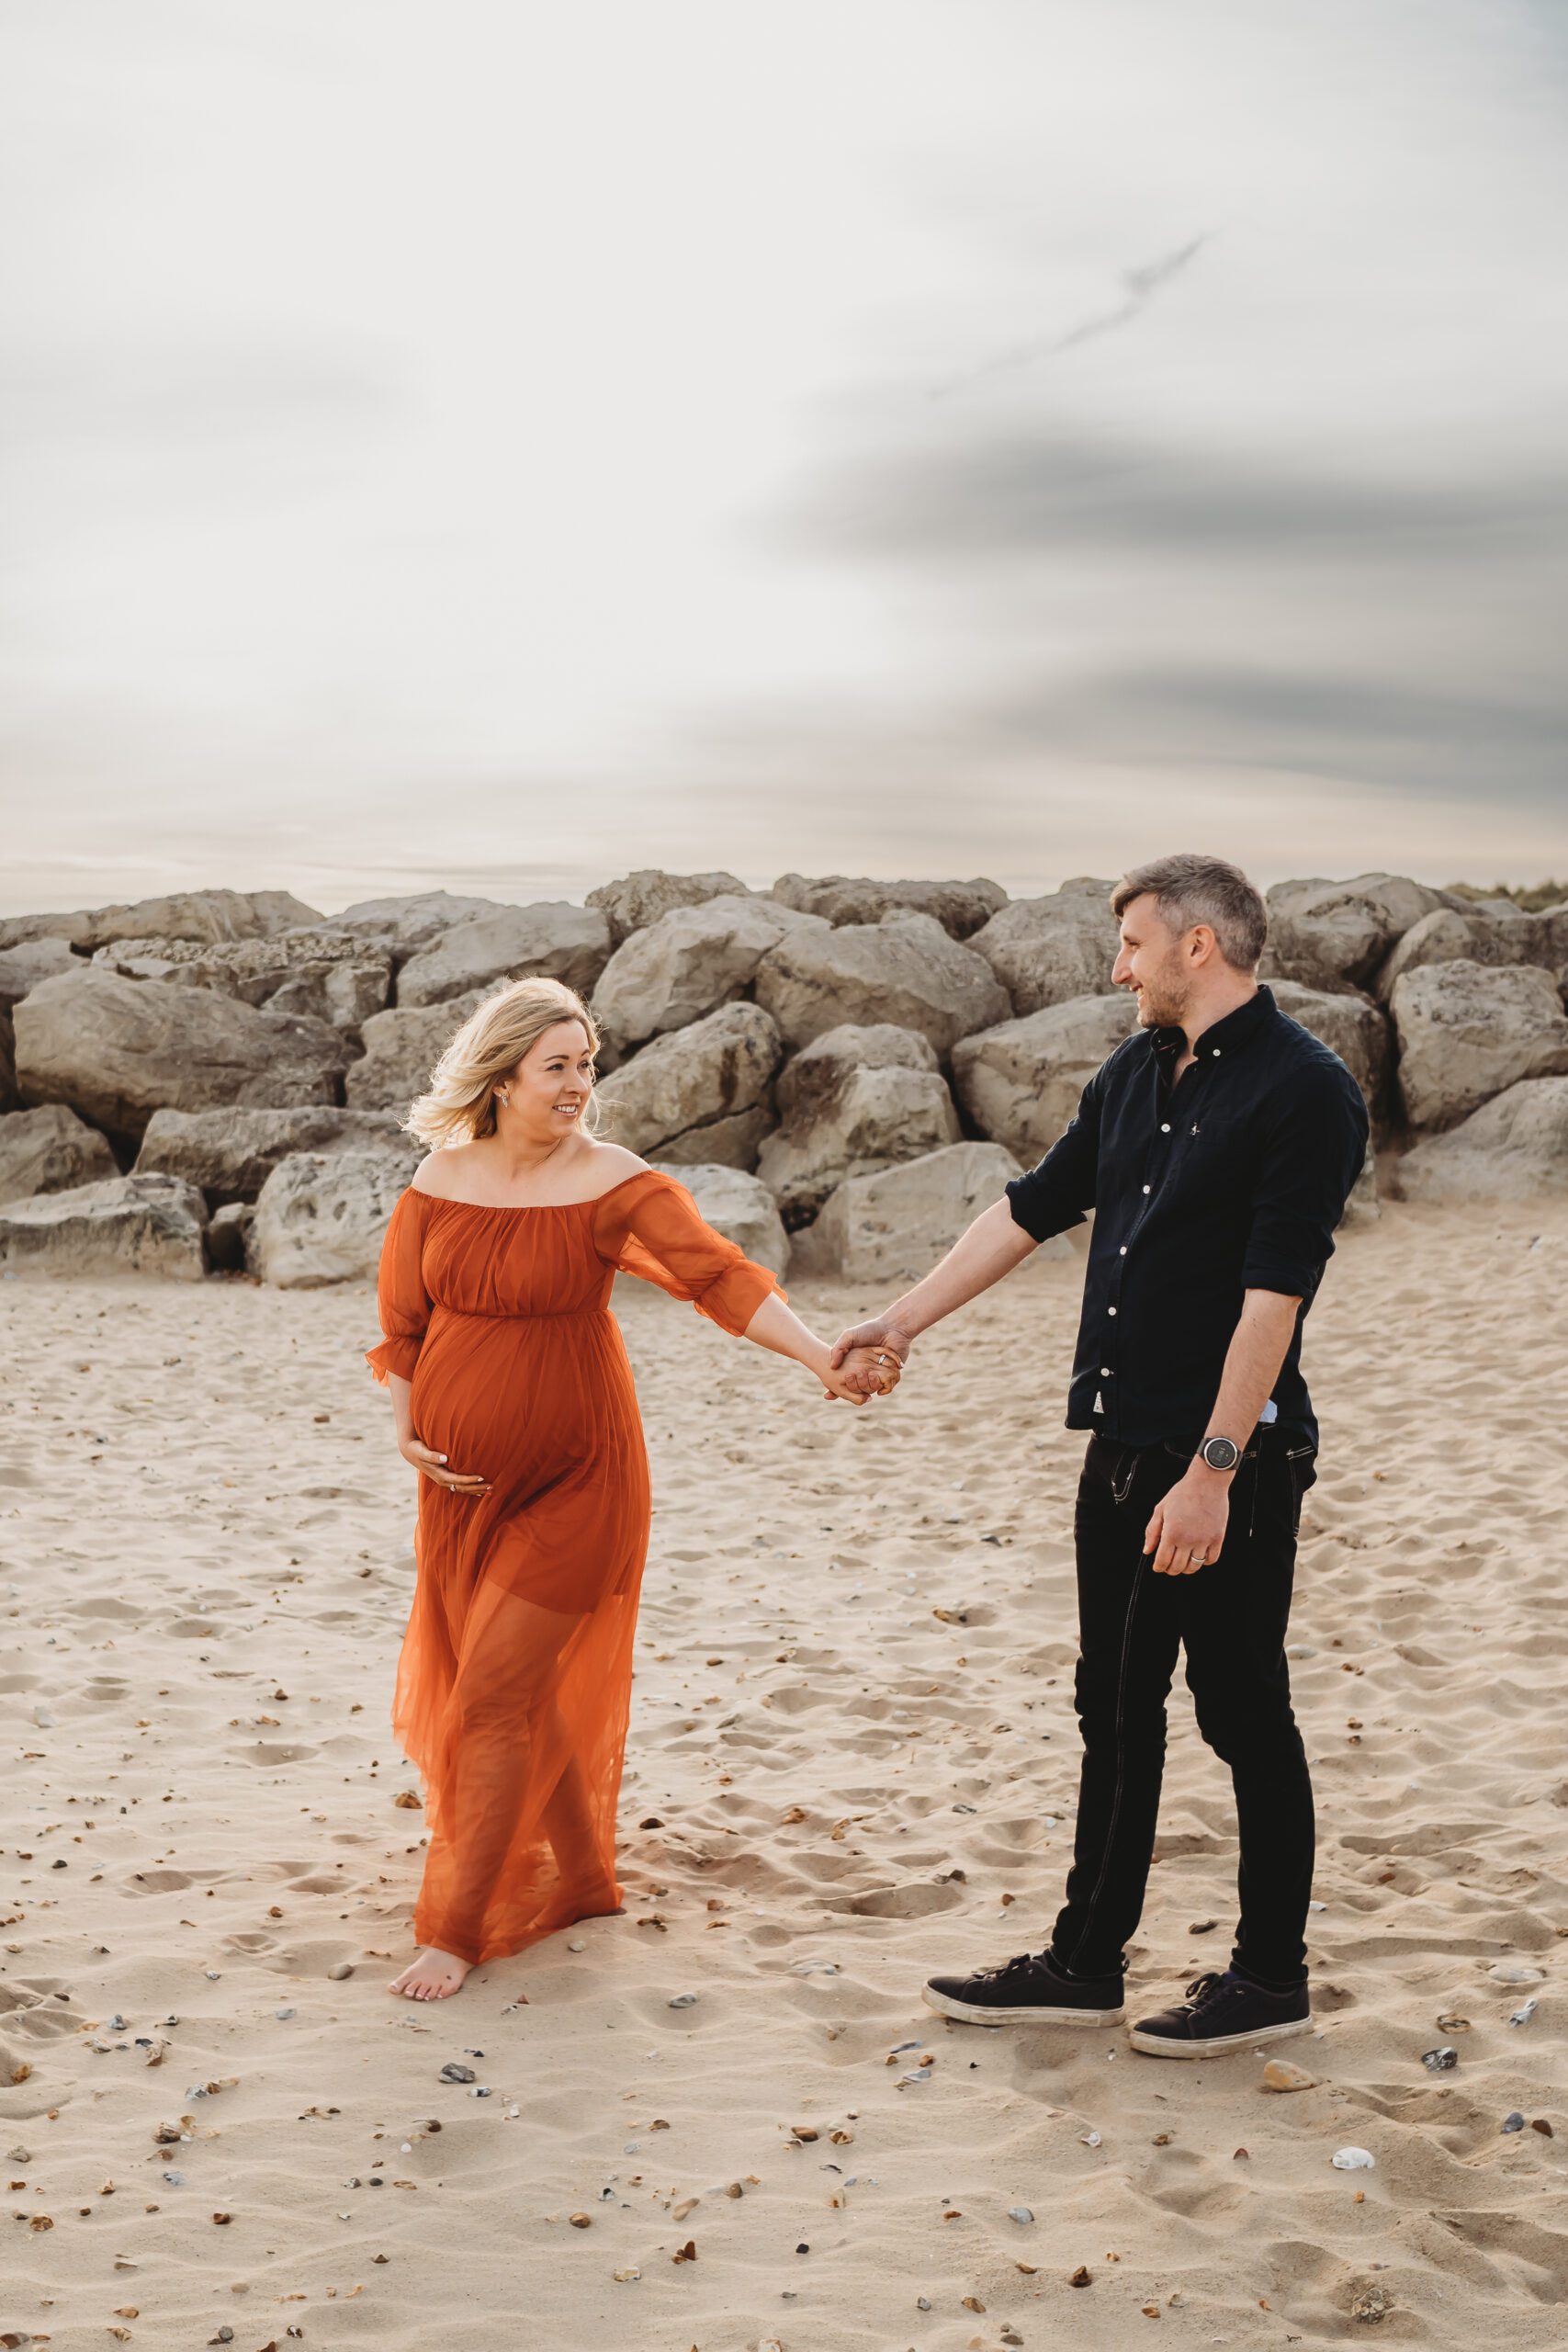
(1188,1525)
(1312,1156)
(989,1249)
(1053,1195)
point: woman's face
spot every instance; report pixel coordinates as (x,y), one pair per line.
(550,1086)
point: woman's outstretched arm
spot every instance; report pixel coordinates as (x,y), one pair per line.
(777,1326)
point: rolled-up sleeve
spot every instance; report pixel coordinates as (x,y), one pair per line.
(1313,1150)
(403,1303)
(1058,1191)
(651,1226)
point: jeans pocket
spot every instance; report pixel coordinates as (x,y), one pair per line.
(1304,1473)
(1121,1477)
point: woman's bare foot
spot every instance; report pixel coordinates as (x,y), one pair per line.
(429,1976)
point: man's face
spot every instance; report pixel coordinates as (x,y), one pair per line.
(1151,964)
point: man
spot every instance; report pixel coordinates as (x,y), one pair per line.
(1216,1147)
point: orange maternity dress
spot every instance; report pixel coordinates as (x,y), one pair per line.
(514,1683)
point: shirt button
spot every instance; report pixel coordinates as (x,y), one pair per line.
(1105,1372)
(1216,1052)
(1110,1310)
(1164,1127)
(1123,1251)
(1145,1188)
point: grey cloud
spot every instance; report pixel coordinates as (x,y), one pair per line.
(1387,731)
(1020,495)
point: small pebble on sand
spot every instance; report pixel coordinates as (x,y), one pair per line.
(1279,2075)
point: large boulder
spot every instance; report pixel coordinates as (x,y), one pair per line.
(893,1227)
(1497,932)
(323,975)
(231,1154)
(184,914)
(50,1150)
(567,942)
(1363,1204)
(1020,1082)
(1334,934)
(116,1050)
(322,1215)
(228,1238)
(637,899)
(1551,943)
(1466,1031)
(703,1093)
(125,1225)
(959,906)
(30,961)
(1349,1023)
(906,970)
(687,963)
(403,925)
(1514,1149)
(738,1205)
(1047,951)
(854,1101)
(401,1047)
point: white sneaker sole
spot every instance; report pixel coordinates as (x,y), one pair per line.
(1159,2045)
(973,2013)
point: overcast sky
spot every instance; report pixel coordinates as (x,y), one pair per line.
(492,444)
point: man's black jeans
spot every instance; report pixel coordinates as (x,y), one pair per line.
(1230,1617)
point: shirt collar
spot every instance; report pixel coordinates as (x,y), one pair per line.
(1236,1028)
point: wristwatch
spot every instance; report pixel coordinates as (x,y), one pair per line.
(1219,1453)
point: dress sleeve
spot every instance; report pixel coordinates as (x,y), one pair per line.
(651,1226)
(403,1303)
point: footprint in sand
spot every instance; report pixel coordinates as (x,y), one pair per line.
(280,1751)
(913,1901)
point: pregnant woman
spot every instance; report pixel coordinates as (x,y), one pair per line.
(513,1400)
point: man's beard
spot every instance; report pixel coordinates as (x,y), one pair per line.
(1163,1007)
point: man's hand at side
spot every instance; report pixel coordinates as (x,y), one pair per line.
(1189,1524)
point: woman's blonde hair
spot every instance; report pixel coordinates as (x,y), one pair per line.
(459,1103)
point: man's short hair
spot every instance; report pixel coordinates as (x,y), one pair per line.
(1187,889)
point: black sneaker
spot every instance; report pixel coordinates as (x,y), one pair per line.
(1026,1990)
(1221,2011)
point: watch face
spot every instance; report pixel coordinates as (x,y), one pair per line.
(1221,1454)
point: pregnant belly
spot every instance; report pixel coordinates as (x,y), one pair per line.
(523,1398)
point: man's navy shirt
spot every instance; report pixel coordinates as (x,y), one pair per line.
(1231,1181)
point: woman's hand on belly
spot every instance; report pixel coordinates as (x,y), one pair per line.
(434,1467)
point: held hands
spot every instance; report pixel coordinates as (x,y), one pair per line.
(432,1465)
(1189,1524)
(870,1358)
(858,1378)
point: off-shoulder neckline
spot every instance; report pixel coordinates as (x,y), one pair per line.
(512,1208)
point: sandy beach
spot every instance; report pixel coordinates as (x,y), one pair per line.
(852,1761)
